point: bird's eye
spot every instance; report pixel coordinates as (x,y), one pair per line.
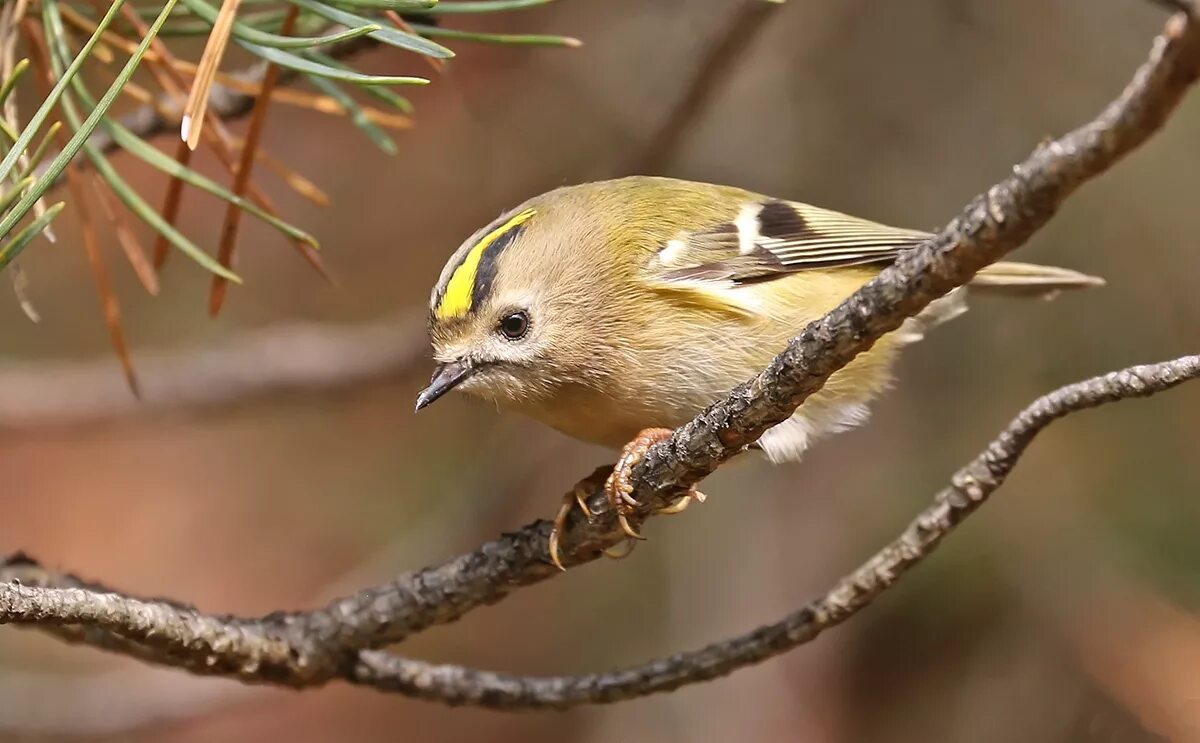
(514,325)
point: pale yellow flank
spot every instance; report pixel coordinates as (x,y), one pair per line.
(457,299)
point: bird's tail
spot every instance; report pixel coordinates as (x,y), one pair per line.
(1006,278)
(1030,280)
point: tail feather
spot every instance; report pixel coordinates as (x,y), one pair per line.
(826,413)
(1006,279)
(1030,280)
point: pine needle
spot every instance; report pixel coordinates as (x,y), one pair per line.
(171,203)
(132,247)
(91,245)
(108,298)
(170,74)
(224,146)
(14,14)
(288,96)
(214,50)
(20,286)
(241,178)
(439,65)
(171,85)
(103,54)
(297,182)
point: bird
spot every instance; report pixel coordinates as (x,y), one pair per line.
(614,311)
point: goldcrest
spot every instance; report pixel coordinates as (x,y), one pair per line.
(605,309)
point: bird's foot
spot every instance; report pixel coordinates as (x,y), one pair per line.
(619,486)
(577,498)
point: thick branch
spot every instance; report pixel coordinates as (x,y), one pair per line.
(968,490)
(991,225)
(314,647)
(167,633)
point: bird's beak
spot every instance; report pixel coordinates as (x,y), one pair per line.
(445,378)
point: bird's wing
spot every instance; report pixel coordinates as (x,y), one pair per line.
(772,238)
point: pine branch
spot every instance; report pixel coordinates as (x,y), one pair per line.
(148,121)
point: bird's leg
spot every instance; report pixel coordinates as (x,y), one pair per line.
(619,487)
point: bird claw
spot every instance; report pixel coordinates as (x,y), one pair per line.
(621,551)
(618,489)
(680,505)
(577,498)
(619,486)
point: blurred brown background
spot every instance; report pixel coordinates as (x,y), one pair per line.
(1062,612)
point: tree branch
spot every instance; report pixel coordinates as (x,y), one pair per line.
(168,633)
(969,488)
(278,360)
(310,648)
(715,68)
(991,225)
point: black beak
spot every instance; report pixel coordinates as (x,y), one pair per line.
(445,378)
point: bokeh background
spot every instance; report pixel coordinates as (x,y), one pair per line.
(1064,611)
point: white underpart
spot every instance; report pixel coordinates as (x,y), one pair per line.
(786,441)
(819,417)
(747,227)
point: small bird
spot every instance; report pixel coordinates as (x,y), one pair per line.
(616,311)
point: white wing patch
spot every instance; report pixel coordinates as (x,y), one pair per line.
(747,228)
(672,253)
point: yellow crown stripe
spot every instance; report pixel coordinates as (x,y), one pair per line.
(456,301)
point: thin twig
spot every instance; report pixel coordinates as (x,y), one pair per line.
(717,65)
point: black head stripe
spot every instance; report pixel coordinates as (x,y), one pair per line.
(469,282)
(486,273)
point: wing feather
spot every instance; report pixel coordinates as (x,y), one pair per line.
(772,238)
(764,239)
